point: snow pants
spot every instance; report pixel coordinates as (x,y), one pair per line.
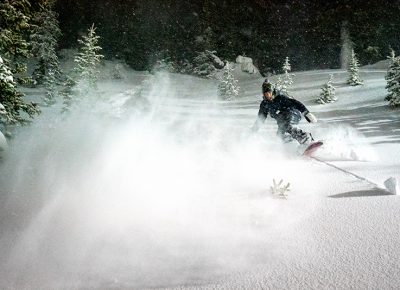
(287,129)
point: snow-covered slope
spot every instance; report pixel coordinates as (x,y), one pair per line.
(175,194)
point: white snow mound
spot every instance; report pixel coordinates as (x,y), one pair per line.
(246,64)
(392,185)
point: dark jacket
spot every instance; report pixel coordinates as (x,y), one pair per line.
(279,106)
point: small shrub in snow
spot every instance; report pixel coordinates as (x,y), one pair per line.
(393,82)
(280,189)
(353,69)
(328,93)
(116,72)
(206,63)
(228,87)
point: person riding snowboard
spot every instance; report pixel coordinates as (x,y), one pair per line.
(287,113)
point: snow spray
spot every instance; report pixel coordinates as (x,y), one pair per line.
(343,142)
(112,196)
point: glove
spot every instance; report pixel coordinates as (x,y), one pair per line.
(310,117)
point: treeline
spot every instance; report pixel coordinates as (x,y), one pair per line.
(29,39)
(142,32)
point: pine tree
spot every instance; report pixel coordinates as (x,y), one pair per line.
(85,71)
(328,93)
(206,64)
(50,83)
(354,78)
(67,93)
(116,72)
(286,81)
(12,99)
(46,33)
(392,56)
(393,82)
(88,59)
(44,38)
(228,87)
(14,23)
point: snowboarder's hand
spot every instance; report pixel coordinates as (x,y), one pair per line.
(310,118)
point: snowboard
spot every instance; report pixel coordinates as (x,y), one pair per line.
(312,148)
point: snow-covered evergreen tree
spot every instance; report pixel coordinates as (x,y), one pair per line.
(287,68)
(14,25)
(12,99)
(328,93)
(44,39)
(393,82)
(116,72)
(85,71)
(353,69)
(88,59)
(286,80)
(50,83)
(392,55)
(206,64)
(228,87)
(67,93)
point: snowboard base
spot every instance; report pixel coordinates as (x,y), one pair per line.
(312,148)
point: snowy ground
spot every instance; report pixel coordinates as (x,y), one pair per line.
(175,194)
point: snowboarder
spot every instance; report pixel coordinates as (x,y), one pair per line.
(287,113)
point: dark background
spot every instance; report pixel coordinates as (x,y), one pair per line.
(308,31)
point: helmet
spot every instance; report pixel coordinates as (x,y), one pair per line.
(267,86)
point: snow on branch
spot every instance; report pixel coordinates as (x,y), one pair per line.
(280,189)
